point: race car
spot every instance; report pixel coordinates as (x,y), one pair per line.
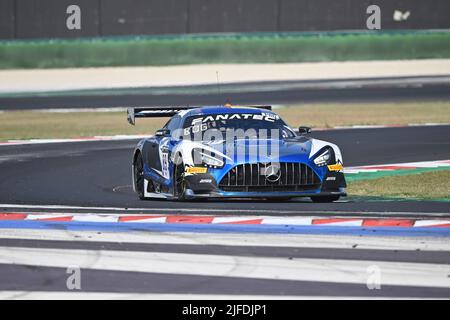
(233,152)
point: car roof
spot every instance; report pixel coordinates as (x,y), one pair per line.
(222,110)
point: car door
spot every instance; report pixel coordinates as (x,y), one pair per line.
(159,148)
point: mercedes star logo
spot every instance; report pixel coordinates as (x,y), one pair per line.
(272,173)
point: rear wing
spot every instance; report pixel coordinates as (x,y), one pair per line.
(170,111)
(153,112)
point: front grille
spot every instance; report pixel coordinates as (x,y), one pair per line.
(293,176)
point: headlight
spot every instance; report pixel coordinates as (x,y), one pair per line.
(323,158)
(207,158)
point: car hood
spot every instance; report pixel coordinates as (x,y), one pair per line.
(264,150)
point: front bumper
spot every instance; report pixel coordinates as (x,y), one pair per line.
(190,194)
(201,186)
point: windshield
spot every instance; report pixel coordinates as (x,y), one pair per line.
(264,125)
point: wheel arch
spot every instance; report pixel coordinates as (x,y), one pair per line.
(136,153)
(178,155)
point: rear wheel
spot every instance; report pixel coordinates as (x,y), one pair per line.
(139,176)
(325,199)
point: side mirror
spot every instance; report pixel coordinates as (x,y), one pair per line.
(304,130)
(162,133)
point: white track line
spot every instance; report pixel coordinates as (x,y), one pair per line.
(317,270)
(85,139)
(404,165)
(236,239)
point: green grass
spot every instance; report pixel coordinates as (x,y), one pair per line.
(246,48)
(34,125)
(41,125)
(427,185)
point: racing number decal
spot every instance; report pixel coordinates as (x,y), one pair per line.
(164,157)
(165,165)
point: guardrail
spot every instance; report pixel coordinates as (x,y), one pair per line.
(23,19)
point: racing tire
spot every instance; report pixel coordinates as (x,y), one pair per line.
(138,171)
(325,199)
(179,187)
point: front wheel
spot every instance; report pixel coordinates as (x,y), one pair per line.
(325,199)
(179,184)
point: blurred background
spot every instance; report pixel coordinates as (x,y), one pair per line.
(372,77)
(377,63)
(160,32)
(23,19)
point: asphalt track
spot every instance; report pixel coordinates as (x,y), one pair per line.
(98,174)
(209,266)
(155,264)
(343,90)
(50,279)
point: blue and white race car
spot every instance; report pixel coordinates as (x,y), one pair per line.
(233,152)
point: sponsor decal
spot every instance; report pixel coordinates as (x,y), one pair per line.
(201,124)
(240,116)
(196,170)
(336,167)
